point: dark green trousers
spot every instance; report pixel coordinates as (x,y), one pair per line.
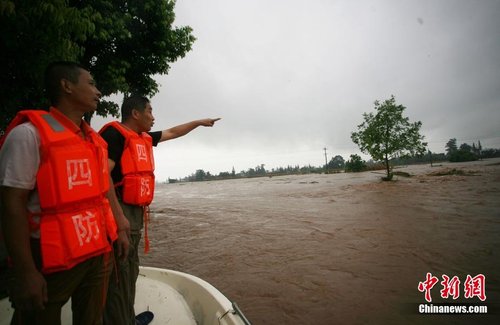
(86,285)
(121,293)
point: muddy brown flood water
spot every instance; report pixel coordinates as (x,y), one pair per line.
(339,248)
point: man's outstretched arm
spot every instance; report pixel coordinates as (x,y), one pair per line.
(183,129)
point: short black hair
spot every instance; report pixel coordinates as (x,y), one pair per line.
(56,71)
(130,103)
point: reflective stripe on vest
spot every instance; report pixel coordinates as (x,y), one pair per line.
(54,124)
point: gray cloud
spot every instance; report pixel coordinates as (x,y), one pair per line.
(291,77)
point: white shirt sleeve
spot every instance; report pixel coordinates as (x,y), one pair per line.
(20,157)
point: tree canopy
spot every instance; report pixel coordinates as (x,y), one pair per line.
(355,164)
(336,162)
(465,152)
(451,146)
(387,134)
(122,43)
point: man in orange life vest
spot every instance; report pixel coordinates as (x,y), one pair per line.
(57,209)
(130,148)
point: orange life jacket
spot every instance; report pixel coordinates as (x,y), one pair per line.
(72,181)
(137,165)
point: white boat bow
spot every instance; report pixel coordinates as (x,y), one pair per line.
(174,297)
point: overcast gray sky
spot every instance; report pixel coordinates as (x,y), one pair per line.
(291,77)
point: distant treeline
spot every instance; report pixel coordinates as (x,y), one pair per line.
(337,164)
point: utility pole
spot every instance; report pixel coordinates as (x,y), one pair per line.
(326,160)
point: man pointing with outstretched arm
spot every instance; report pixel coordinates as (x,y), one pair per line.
(131,163)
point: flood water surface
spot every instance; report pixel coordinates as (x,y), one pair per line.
(334,249)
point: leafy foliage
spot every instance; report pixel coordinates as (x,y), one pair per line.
(355,164)
(463,155)
(388,134)
(123,44)
(336,162)
(465,152)
(451,146)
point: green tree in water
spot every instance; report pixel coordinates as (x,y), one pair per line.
(387,134)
